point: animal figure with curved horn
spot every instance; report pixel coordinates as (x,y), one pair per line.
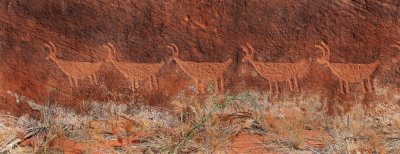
(74,70)
(348,72)
(277,72)
(135,71)
(202,71)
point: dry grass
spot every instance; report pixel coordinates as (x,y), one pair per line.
(353,134)
(196,125)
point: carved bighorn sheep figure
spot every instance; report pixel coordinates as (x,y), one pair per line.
(74,70)
(277,72)
(348,72)
(135,71)
(202,71)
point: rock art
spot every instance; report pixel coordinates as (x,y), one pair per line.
(81,64)
(202,71)
(348,72)
(277,72)
(74,70)
(135,71)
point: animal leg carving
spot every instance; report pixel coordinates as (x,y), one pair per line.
(363,86)
(290,85)
(271,90)
(296,82)
(203,87)
(155,81)
(91,79)
(222,84)
(71,82)
(151,82)
(347,87)
(76,82)
(341,86)
(137,84)
(277,87)
(96,79)
(132,84)
(369,84)
(216,85)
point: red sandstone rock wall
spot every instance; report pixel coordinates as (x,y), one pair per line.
(141,34)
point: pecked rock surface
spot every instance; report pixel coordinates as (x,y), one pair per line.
(149,51)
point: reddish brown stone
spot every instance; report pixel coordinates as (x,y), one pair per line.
(206,32)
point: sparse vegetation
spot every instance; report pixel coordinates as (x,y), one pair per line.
(245,123)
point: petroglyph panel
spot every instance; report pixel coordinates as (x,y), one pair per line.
(348,72)
(74,70)
(135,71)
(277,72)
(161,49)
(202,71)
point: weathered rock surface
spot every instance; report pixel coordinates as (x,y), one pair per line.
(74,51)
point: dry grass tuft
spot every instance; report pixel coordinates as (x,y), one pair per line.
(203,125)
